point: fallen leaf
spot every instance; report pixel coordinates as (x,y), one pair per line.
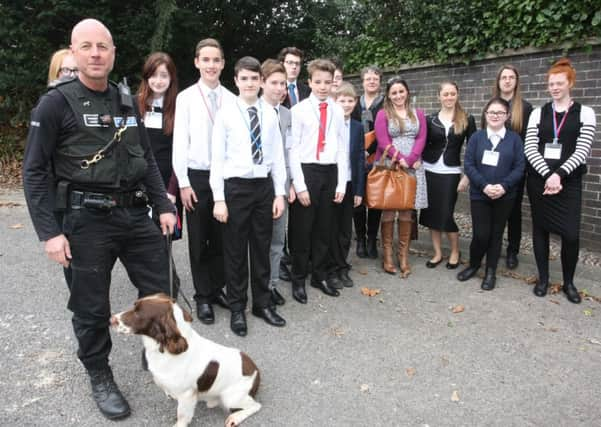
(444,360)
(531,280)
(410,372)
(450,324)
(555,288)
(369,292)
(15,226)
(381,300)
(554,301)
(362,271)
(594,341)
(587,312)
(364,388)
(455,396)
(552,329)
(338,332)
(458,309)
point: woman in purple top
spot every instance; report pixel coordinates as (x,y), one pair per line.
(402,129)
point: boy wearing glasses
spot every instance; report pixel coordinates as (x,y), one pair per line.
(292,58)
(195,111)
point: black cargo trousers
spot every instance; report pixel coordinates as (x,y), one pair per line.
(98,237)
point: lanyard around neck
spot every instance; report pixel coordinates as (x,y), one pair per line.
(557,129)
(207,105)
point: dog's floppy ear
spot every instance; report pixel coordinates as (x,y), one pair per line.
(174,342)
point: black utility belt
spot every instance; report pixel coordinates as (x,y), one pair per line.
(106,201)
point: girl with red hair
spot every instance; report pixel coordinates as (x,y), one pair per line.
(558,141)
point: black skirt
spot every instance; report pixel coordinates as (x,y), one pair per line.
(442,196)
(558,214)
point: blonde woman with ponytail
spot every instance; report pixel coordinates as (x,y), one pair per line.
(448,130)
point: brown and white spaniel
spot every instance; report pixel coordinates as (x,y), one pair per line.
(188,367)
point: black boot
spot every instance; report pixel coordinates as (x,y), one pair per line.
(106,394)
(361,248)
(571,293)
(488,284)
(372,247)
(540,289)
(467,274)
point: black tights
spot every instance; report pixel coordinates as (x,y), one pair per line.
(570,246)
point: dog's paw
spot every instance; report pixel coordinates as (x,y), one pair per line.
(231,421)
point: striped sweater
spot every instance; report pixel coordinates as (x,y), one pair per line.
(576,138)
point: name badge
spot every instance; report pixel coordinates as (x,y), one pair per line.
(153,120)
(490,158)
(552,151)
(260,171)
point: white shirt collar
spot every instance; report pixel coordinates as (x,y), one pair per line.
(206,89)
(244,106)
(500,132)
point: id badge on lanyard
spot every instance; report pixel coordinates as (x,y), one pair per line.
(153,120)
(553,149)
(490,158)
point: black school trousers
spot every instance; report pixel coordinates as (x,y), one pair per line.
(488,223)
(205,241)
(248,230)
(310,227)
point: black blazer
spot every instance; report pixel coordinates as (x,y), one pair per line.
(303,92)
(357,158)
(438,143)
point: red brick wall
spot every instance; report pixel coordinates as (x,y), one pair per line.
(475,83)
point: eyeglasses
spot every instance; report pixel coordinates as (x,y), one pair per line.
(496,113)
(292,63)
(66,71)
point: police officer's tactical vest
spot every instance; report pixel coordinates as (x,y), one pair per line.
(99,116)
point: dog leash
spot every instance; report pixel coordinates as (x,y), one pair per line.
(171,284)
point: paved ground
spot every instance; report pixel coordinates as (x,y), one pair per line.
(399,358)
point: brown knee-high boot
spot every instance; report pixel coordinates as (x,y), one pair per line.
(387,232)
(404,241)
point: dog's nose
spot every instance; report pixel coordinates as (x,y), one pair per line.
(114,321)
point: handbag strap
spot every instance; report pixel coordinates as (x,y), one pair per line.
(384,155)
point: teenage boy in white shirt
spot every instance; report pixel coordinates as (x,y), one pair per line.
(248,176)
(319,167)
(195,112)
(274,89)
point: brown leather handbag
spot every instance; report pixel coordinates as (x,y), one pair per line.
(389,188)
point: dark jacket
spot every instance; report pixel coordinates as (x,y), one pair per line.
(439,143)
(508,172)
(367,120)
(357,158)
(303,92)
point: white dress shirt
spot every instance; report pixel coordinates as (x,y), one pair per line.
(495,136)
(192,128)
(303,141)
(347,136)
(231,155)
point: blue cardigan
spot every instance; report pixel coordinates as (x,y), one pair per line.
(508,172)
(357,158)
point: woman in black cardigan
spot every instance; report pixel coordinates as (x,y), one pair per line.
(507,86)
(558,141)
(447,131)
(494,163)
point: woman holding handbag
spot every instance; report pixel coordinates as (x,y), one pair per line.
(448,129)
(401,134)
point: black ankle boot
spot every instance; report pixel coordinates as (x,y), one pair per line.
(571,293)
(106,394)
(540,289)
(372,247)
(488,284)
(361,248)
